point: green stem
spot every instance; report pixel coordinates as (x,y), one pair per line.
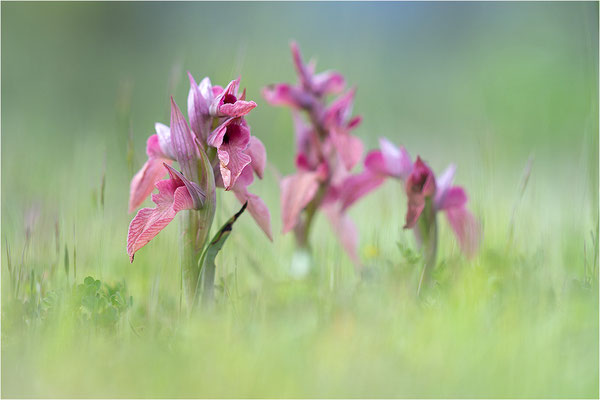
(428,232)
(302,230)
(195,228)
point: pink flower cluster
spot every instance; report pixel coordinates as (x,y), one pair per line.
(420,186)
(326,151)
(215,149)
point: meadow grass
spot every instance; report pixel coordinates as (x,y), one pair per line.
(518,82)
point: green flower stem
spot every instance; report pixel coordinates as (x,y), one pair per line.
(428,232)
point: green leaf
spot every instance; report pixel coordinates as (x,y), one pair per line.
(207,261)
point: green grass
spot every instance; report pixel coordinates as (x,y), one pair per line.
(481,85)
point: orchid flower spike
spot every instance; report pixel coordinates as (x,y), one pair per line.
(326,151)
(216,120)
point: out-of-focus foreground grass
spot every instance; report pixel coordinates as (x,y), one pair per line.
(483,85)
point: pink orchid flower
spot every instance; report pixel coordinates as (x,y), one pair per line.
(174,195)
(236,148)
(216,117)
(421,186)
(325,152)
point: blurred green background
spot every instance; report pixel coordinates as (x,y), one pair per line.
(483,85)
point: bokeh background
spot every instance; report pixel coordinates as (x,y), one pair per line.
(487,86)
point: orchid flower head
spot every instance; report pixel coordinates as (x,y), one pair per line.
(231,140)
(229,103)
(174,194)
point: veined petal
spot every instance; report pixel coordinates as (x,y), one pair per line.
(397,160)
(231,140)
(236,109)
(183,143)
(296,192)
(143,182)
(172,197)
(198,102)
(227,104)
(466,228)
(196,193)
(345,230)
(257,152)
(164,141)
(256,207)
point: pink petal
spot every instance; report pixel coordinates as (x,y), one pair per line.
(227,103)
(466,228)
(184,147)
(340,110)
(350,148)
(198,104)
(357,186)
(415,207)
(196,193)
(257,152)
(143,182)
(256,207)
(173,196)
(328,82)
(296,192)
(454,197)
(419,185)
(283,94)
(231,140)
(345,230)
(164,140)
(397,160)
(304,74)
(375,163)
(237,109)
(153,148)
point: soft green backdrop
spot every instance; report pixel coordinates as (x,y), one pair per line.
(483,85)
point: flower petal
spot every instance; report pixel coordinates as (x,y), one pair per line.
(304,73)
(466,228)
(196,193)
(172,197)
(237,109)
(164,140)
(340,110)
(183,143)
(143,182)
(328,82)
(397,160)
(454,197)
(282,94)
(256,207)
(198,102)
(296,192)
(356,186)
(442,184)
(257,152)
(345,230)
(231,140)
(419,185)
(349,147)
